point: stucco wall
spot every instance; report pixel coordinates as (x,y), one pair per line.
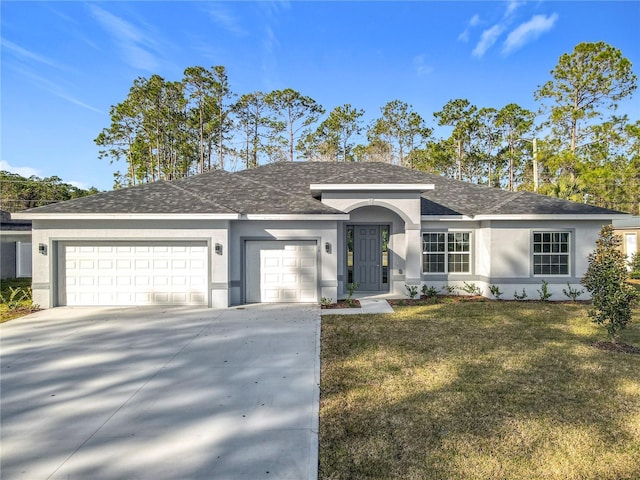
(320,231)
(54,234)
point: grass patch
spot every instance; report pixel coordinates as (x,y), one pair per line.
(24,307)
(478,391)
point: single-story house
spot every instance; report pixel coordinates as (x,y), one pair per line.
(15,247)
(301,231)
(629,230)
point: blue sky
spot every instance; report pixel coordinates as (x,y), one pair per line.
(65,63)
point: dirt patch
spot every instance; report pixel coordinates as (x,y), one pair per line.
(616,347)
(342,304)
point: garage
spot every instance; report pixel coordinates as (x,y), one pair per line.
(133,273)
(281,271)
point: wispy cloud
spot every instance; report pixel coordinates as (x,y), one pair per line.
(225,19)
(487,40)
(528,32)
(421,66)
(135,44)
(512,6)
(54,89)
(22,171)
(473,21)
(29,56)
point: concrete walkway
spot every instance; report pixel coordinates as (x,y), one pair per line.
(367,305)
(161,393)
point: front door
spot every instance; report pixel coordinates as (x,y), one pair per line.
(367,265)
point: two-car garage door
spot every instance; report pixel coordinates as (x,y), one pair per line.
(133,273)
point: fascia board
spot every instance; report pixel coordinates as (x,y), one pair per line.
(369,187)
(306,216)
(553,216)
(125,216)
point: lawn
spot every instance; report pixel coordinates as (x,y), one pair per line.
(482,390)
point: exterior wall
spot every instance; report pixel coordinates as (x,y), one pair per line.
(624,232)
(53,233)
(321,231)
(503,251)
(8,242)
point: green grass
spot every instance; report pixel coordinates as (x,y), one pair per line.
(478,391)
(25,307)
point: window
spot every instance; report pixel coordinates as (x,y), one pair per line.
(446,252)
(551,253)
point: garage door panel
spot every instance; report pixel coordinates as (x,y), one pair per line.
(139,274)
(281,271)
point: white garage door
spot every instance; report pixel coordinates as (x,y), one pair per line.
(134,274)
(281,271)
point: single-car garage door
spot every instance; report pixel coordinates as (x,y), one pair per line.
(118,273)
(281,271)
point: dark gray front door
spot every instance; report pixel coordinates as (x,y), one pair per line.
(367,257)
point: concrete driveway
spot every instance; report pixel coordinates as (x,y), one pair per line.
(161,393)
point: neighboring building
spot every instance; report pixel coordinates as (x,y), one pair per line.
(15,247)
(629,230)
(297,232)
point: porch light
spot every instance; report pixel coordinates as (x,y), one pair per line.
(218,249)
(327,247)
(42,248)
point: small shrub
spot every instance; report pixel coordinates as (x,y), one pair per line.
(495,291)
(572,293)
(634,263)
(429,292)
(544,291)
(606,279)
(325,301)
(17,296)
(520,297)
(471,289)
(449,289)
(412,291)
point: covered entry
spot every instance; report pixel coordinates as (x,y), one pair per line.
(281,271)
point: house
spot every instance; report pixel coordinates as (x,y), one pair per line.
(297,232)
(629,230)
(15,247)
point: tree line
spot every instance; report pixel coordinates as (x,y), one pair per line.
(19,193)
(574,147)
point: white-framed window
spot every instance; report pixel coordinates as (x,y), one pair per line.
(446,252)
(551,253)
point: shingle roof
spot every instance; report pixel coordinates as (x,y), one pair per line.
(8,224)
(283,188)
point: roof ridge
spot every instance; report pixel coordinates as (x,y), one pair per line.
(199,196)
(510,197)
(306,199)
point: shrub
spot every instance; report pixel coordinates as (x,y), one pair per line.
(495,291)
(449,289)
(572,293)
(16,297)
(606,280)
(544,291)
(520,297)
(412,291)
(634,263)
(429,292)
(471,289)
(325,301)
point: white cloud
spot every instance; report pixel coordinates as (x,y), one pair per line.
(528,32)
(512,6)
(473,21)
(25,54)
(420,65)
(22,171)
(487,40)
(225,19)
(135,44)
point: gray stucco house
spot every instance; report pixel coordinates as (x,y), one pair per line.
(15,247)
(297,232)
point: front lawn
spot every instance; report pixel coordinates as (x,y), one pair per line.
(486,390)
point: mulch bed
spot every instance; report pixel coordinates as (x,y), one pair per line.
(342,304)
(616,347)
